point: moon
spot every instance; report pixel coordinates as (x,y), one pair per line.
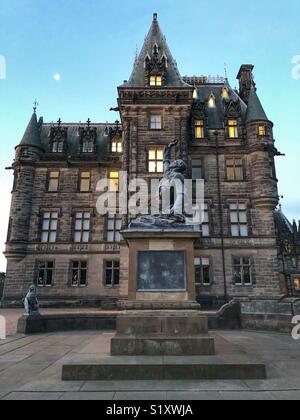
(57,77)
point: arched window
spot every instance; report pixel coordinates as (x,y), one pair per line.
(212,101)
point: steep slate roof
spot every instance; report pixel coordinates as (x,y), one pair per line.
(155,37)
(255,111)
(32,134)
(73,138)
(216,115)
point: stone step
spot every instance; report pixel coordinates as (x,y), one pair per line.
(166,324)
(164,368)
(162,346)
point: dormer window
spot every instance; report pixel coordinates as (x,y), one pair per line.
(195,94)
(199,129)
(155,81)
(117,146)
(262,130)
(233,131)
(212,101)
(57,147)
(88,146)
(225,93)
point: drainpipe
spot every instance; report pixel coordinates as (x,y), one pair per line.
(221,216)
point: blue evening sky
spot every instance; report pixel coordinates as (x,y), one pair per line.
(91,44)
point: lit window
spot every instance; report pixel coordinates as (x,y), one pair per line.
(114,226)
(155,81)
(233,129)
(49,227)
(114,181)
(212,102)
(45,271)
(225,93)
(112,273)
(79,274)
(117,146)
(155,122)
(82,227)
(262,130)
(234,169)
(199,129)
(156,160)
(239,220)
(53,181)
(195,94)
(202,272)
(85,182)
(296,282)
(242,271)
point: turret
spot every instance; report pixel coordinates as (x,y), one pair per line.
(28,153)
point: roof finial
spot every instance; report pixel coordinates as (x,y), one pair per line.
(155,17)
(226,70)
(35,105)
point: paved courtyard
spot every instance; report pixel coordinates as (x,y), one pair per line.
(30,369)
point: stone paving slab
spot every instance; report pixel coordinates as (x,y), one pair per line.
(38,376)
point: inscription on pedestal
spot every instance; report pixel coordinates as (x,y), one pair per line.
(161,271)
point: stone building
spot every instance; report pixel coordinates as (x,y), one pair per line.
(57,238)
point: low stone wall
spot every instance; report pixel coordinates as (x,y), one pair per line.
(74,322)
(269,315)
(261,315)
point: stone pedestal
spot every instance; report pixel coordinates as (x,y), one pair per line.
(161,269)
(148,333)
(163,335)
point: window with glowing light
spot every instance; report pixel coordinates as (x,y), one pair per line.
(155,81)
(156,160)
(233,129)
(199,129)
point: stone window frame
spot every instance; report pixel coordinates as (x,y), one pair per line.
(81,179)
(202,125)
(211,272)
(155,113)
(252,270)
(116,142)
(107,261)
(49,180)
(153,147)
(239,201)
(49,230)
(82,230)
(38,269)
(80,268)
(116,232)
(243,166)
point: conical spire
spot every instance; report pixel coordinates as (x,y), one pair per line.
(32,135)
(255,110)
(155,47)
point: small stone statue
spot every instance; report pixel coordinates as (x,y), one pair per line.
(30,302)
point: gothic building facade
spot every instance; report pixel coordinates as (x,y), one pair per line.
(57,238)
